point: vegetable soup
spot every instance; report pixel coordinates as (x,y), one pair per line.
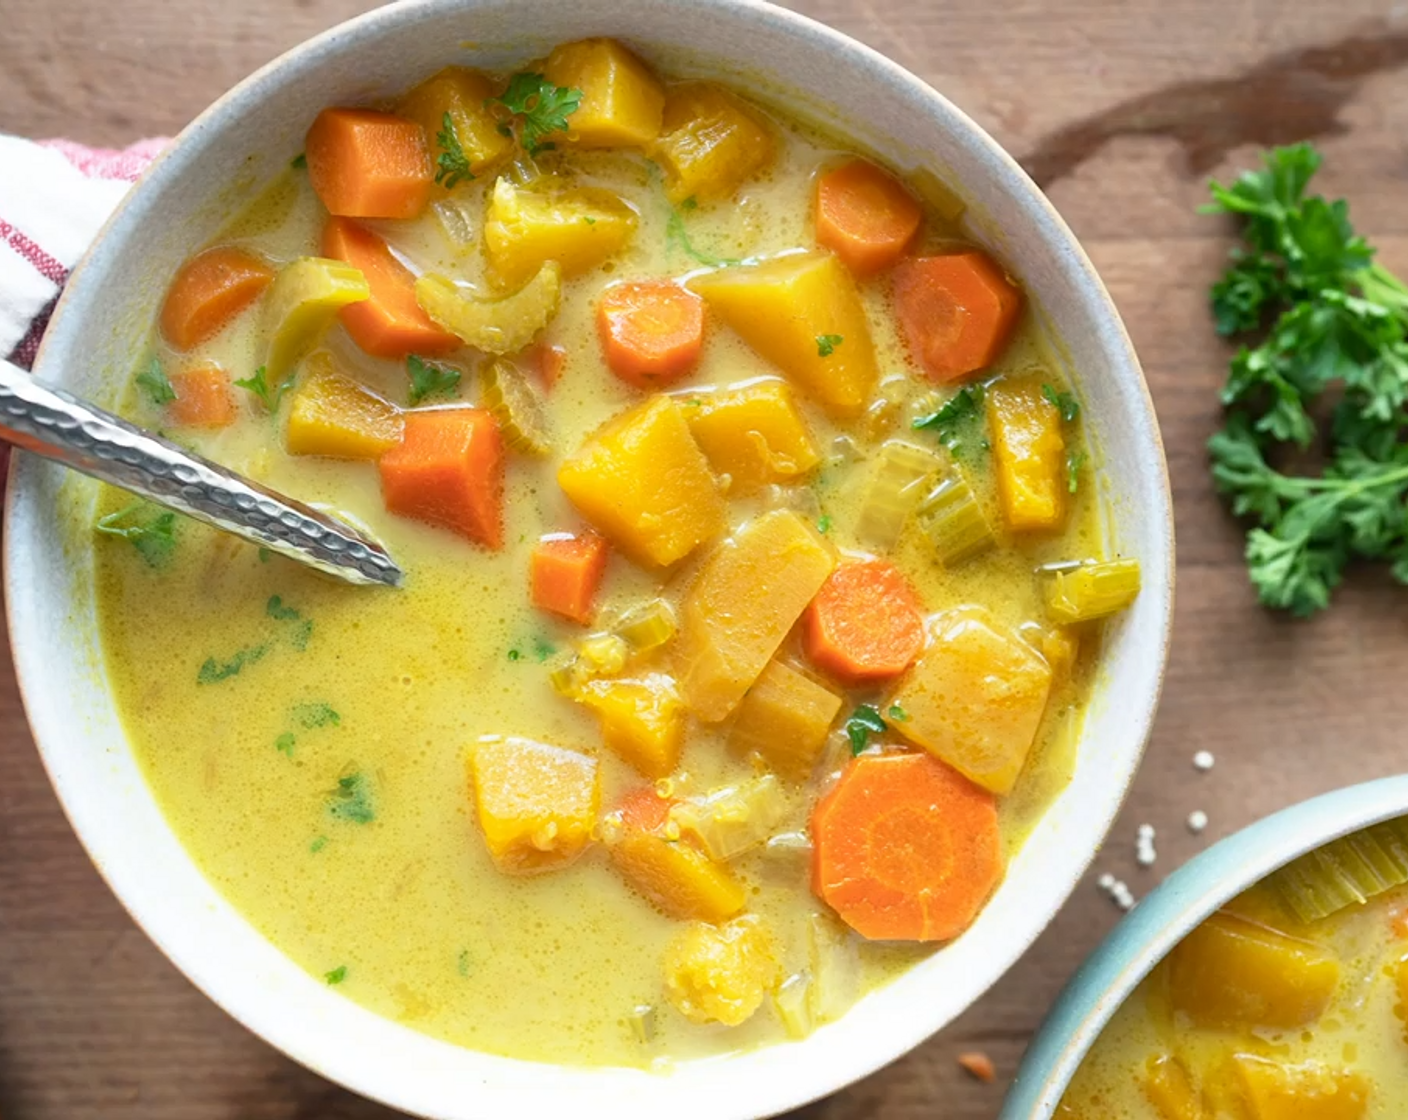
(755,571)
(1287,1004)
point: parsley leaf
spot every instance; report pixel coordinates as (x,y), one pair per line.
(898,714)
(823,524)
(952,419)
(158,386)
(864,722)
(540,108)
(429,380)
(352,800)
(1066,403)
(337,975)
(826,344)
(1075,459)
(318,844)
(284,743)
(452,164)
(150,531)
(299,162)
(677,236)
(213,671)
(275,608)
(315,714)
(259,386)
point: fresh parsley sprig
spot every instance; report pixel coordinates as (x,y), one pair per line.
(271,395)
(452,164)
(864,722)
(538,109)
(151,531)
(1329,325)
(158,386)
(429,380)
(953,421)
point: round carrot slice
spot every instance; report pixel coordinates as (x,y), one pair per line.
(905,848)
(208,291)
(865,624)
(651,331)
(956,312)
(865,216)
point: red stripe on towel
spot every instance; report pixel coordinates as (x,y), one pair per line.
(43,263)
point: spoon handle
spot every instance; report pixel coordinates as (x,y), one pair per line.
(58,426)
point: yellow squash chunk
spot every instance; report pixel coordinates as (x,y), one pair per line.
(1170,1090)
(720,974)
(622,101)
(332,415)
(676,877)
(710,143)
(496,326)
(1229,973)
(461,92)
(785,718)
(300,306)
(975,698)
(643,482)
(801,312)
(536,803)
(1029,450)
(1277,1091)
(745,599)
(642,721)
(753,433)
(578,227)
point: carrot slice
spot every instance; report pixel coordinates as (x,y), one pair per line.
(565,572)
(905,848)
(651,330)
(366,164)
(549,361)
(448,470)
(865,624)
(956,312)
(204,398)
(644,810)
(865,216)
(391,323)
(208,291)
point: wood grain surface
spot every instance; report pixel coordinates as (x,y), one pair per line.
(1121,109)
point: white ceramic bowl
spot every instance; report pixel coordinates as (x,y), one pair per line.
(101,325)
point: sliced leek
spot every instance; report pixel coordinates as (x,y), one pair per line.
(899,481)
(496,326)
(456,224)
(1345,872)
(1091,590)
(647,627)
(793,1002)
(733,819)
(517,406)
(954,522)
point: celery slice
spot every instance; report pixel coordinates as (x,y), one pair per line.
(647,627)
(1345,872)
(954,522)
(517,406)
(793,1002)
(496,326)
(897,485)
(300,306)
(1090,591)
(456,224)
(733,819)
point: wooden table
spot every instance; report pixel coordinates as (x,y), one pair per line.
(1121,109)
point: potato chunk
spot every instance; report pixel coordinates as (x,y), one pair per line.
(720,974)
(674,876)
(622,101)
(975,698)
(332,415)
(801,312)
(753,433)
(710,143)
(1279,1091)
(461,93)
(1229,973)
(746,598)
(1029,450)
(536,803)
(578,227)
(641,721)
(784,718)
(643,482)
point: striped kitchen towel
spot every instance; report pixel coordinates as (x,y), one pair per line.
(54,197)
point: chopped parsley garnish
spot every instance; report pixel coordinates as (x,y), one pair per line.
(318,844)
(539,108)
(276,608)
(1075,459)
(280,611)
(466,962)
(429,380)
(898,714)
(352,800)
(542,649)
(212,671)
(299,162)
(284,743)
(678,237)
(265,555)
(864,722)
(826,344)
(337,975)
(158,386)
(260,387)
(589,219)
(1066,403)
(952,420)
(152,532)
(315,714)
(514,655)
(823,524)
(452,164)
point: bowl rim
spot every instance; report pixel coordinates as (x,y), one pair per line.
(1168,914)
(1008,177)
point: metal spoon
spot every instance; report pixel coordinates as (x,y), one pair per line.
(52,423)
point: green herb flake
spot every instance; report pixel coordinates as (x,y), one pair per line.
(301,635)
(315,714)
(826,344)
(898,714)
(542,649)
(823,524)
(213,671)
(514,655)
(318,844)
(1075,459)
(299,162)
(452,164)
(953,419)
(152,532)
(276,608)
(864,722)
(429,380)
(465,964)
(1065,402)
(337,975)
(284,743)
(352,800)
(539,108)
(589,219)
(260,387)
(158,386)
(676,236)
(265,555)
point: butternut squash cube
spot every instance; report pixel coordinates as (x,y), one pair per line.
(644,483)
(578,227)
(333,415)
(642,721)
(536,803)
(622,101)
(1170,1090)
(975,698)
(747,596)
(753,433)
(1310,1091)
(1230,973)
(710,143)
(676,877)
(461,93)
(801,312)
(1029,449)
(785,718)
(720,974)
